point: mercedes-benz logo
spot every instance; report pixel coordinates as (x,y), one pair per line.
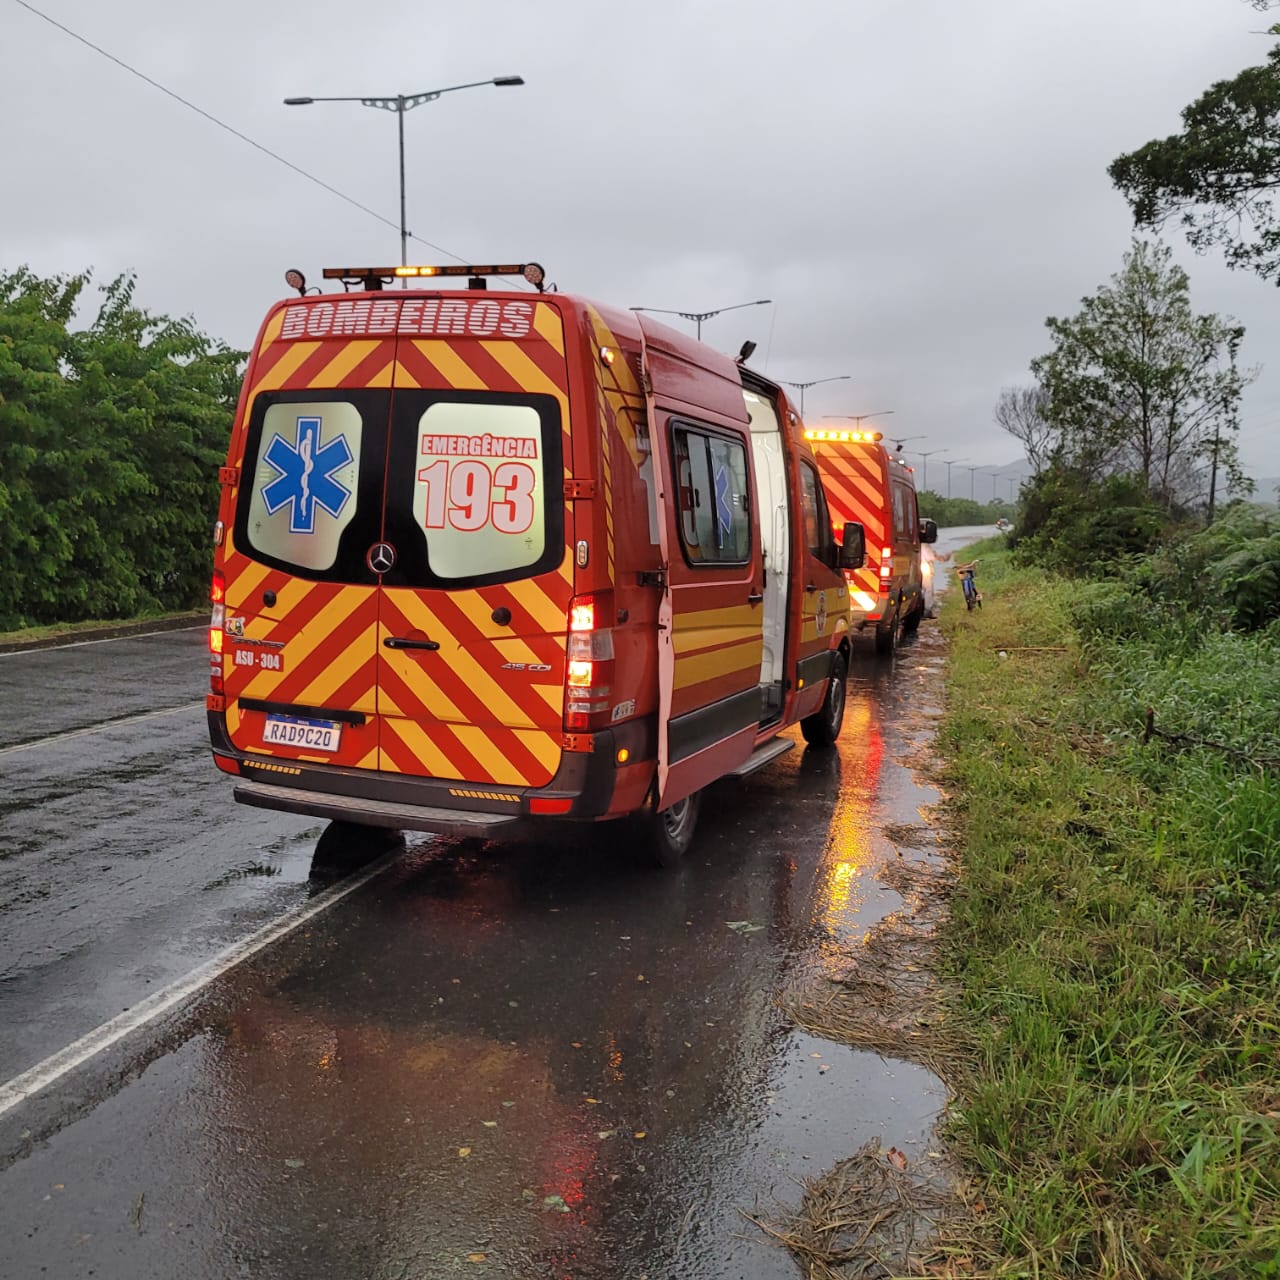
(382,555)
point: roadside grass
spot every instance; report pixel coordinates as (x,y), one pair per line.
(68,630)
(1115,932)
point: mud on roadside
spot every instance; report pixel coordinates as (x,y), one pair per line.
(879,1213)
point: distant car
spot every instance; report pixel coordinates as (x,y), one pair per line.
(1002,524)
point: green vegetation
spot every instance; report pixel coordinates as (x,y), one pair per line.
(1116,925)
(954,513)
(110,441)
(1219,175)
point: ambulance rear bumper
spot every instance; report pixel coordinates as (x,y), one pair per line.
(377,813)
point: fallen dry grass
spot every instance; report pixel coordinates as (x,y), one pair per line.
(879,1213)
(871,1216)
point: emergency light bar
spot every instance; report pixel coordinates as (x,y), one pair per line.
(375,277)
(860,437)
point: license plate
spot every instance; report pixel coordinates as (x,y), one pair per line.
(308,735)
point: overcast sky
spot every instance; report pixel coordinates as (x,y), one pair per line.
(915,186)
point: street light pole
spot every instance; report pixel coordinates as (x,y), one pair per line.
(401,103)
(699,316)
(949,463)
(802,387)
(924,471)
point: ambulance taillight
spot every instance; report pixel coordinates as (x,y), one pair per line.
(589,664)
(217,619)
(886,563)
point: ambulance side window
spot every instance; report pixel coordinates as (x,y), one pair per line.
(904,522)
(817,519)
(711,496)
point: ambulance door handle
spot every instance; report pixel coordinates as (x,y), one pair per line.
(755,597)
(403,642)
(811,586)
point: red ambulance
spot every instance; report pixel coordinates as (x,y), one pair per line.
(489,558)
(874,489)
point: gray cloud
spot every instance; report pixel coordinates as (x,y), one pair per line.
(917,187)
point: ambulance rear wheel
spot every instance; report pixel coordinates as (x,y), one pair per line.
(346,846)
(666,836)
(823,727)
(911,623)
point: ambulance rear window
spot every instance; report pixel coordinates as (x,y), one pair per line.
(474,486)
(302,466)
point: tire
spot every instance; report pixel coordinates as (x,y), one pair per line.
(887,634)
(664,838)
(346,846)
(911,623)
(823,727)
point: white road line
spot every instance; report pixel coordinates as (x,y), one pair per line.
(75,644)
(53,1068)
(98,728)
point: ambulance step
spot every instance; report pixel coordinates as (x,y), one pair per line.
(764,754)
(375,813)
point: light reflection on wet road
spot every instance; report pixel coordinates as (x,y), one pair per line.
(569,1065)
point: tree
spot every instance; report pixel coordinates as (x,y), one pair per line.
(110,441)
(1138,385)
(1219,175)
(1022,412)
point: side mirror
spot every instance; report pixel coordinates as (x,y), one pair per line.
(928,531)
(853,547)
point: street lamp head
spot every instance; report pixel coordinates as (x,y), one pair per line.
(503,81)
(298,102)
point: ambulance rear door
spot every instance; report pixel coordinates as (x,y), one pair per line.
(301,605)
(478,577)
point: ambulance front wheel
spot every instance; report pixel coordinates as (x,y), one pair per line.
(887,632)
(823,727)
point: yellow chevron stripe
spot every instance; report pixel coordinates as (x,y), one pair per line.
(272,331)
(464,667)
(544,747)
(546,613)
(515,360)
(456,371)
(491,757)
(547,325)
(244,585)
(349,355)
(434,701)
(428,755)
(552,695)
(369,761)
(358,651)
(286,366)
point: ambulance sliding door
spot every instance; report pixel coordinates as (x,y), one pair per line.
(710,621)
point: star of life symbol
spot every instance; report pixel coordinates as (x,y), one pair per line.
(304,475)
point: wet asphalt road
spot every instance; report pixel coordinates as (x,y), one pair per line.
(502,1061)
